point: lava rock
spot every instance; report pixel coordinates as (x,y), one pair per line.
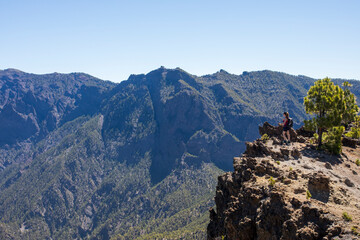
(349,183)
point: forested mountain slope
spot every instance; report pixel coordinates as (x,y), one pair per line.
(82,157)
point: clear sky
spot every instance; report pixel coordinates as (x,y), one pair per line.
(112,39)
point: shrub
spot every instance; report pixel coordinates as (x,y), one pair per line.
(291,169)
(278,162)
(347,217)
(332,140)
(272,182)
(265,137)
(355,230)
(314,139)
(354,133)
(308,194)
(357,162)
(355,130)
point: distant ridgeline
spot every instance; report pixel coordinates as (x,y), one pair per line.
(81,157)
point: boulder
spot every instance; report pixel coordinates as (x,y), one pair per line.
(276,131)
(295,153)
(257,149)
(349,183)
(328,165)
(319,186)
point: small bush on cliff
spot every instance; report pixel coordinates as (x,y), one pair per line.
(308,194)
(331,106)
(332,140)
(357,162)
(265,137)
(355,230)
(347,217)
(272,182)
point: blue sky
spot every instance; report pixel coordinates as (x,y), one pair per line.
(113,39)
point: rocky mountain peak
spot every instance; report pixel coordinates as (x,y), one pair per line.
(287,192)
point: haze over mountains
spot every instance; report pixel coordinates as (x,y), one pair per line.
(86,158)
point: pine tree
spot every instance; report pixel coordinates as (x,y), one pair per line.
(330,104)
(350,102)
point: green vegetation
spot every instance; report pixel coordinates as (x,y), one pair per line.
(351,108)
(272,182)
(264,137)
(291,169)
(308,194)
(347,217)
(332,140)
(355,130)
(357,162)
(331,106)
(74,164)
(355,230)
(278,162)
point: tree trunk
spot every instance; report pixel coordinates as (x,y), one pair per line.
(320,137)
(322,114)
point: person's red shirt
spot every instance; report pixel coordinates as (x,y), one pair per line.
(286,122)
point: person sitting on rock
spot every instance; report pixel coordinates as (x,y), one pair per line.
(286,128)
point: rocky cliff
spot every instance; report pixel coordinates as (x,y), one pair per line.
(288,192)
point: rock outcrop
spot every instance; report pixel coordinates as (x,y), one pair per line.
(275,131)
(285,192)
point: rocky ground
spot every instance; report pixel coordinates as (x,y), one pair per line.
(288,192)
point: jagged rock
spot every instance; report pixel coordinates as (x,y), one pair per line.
(287,181)
(307,167)
(285,152)
(276,141)
(276,131)
(295,153)
(245,210)
(258,201)
(299,190)
(349,142)
(328,165)
(320,181)
(293,175)
(295,203)
(301,139)
(259,149)
(349,183)
(256,148)
(319,186)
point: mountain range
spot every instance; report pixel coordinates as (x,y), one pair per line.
(83,158)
